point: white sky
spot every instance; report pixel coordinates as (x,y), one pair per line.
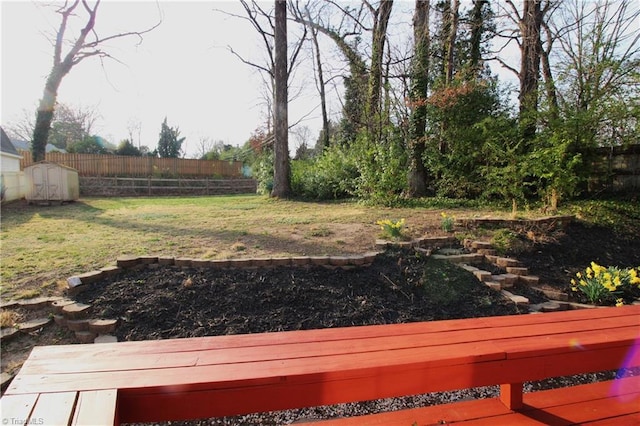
(182,70)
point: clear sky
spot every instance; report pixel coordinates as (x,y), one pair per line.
(182,70)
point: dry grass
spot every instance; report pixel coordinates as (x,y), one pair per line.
(8,318)
(42,245)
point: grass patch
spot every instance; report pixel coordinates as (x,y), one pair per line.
(50,243)
(8,318)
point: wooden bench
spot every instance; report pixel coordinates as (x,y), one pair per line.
(228,375)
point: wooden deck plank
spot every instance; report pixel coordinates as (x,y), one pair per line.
(56,408)
(96,407)
(230,375)
(294,392)
(16,408)
(628,420)
(323,335)
(424,357)
(492,412)
(507,338)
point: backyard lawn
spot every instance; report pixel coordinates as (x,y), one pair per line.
(43,245)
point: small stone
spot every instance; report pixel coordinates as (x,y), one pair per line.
(319,260)
(338,260)
(483,276)
(78,325)
(6,333)
(382,244)
(166,260)
(110,271)
(102,326)
(200,263)
(76,311)
(300,261)
(8,304)
(35,303)
(105,338)
(550,307)
(493,285)
(507,279)
(518,300)
(91,277)
(529,279)
(281,261)
(369,257)
(147,260)
(503,262)
(182,261)
(85,336)
(263,262)
(219,263)
(127,261)
(74,281)
(553,294)
(491,258)
(32,325)
(60,320)
(481,245)
(517,270)
(487,252)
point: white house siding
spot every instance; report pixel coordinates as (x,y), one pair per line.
(13,185)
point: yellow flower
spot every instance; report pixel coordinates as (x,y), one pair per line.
(578,274)
(633,274)
(597,269)
(619,302)
(444,215)
(583,283)
(589,272)
(574,288)
(616,281)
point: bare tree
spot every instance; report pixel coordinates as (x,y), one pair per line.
(281,168)
(263,21)
(86,45)
(364,83)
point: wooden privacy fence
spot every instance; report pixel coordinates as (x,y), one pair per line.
(120,165)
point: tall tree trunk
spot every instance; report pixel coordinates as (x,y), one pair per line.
(321,89)
(530,66)
(477,29)
(381,22)
(452,20)
(549,84)
(418,93)
(281,174)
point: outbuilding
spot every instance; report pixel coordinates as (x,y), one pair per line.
(11,178)
(51,182)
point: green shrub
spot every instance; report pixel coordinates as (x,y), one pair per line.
(330,176)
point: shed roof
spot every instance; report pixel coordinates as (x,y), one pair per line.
(62,166)
(7,146)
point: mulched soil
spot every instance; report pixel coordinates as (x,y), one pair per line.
(400,286)
(557,256)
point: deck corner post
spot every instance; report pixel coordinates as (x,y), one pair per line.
(511,395)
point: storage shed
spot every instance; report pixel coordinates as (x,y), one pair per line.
(48,182)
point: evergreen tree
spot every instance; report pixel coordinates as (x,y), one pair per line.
(170,142)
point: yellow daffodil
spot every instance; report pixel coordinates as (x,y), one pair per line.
(619,302)
(616,281)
